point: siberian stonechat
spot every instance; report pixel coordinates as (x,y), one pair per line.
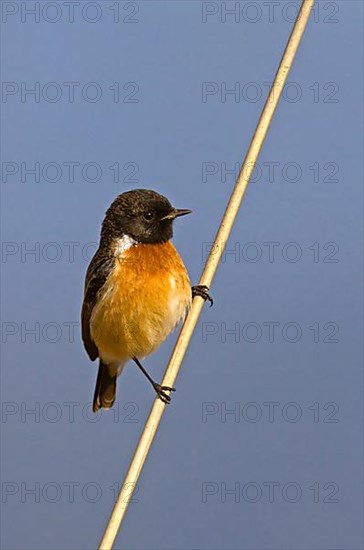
(137,289)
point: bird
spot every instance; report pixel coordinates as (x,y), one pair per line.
(137,289)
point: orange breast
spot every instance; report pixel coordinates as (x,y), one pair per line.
(144,298)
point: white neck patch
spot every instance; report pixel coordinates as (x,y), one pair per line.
(124,244)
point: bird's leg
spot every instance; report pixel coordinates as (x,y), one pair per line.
(160,390)
(203,291)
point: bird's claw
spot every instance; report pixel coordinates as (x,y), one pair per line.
(203,292)
(161,392)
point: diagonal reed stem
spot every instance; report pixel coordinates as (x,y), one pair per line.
(207,276)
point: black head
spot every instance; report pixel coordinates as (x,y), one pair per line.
(142,214)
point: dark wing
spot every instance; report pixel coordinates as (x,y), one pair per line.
(97,273)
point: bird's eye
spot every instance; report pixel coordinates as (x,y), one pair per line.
(148,216)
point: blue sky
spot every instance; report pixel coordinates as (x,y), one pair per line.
(262,446)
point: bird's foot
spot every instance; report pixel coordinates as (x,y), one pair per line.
(161,392)
(203,291)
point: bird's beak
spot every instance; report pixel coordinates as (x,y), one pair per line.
(176,213)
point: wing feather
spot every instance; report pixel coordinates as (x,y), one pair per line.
(96,276)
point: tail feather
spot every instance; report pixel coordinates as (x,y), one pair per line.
(105,390)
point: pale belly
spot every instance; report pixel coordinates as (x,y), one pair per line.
(133,318)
